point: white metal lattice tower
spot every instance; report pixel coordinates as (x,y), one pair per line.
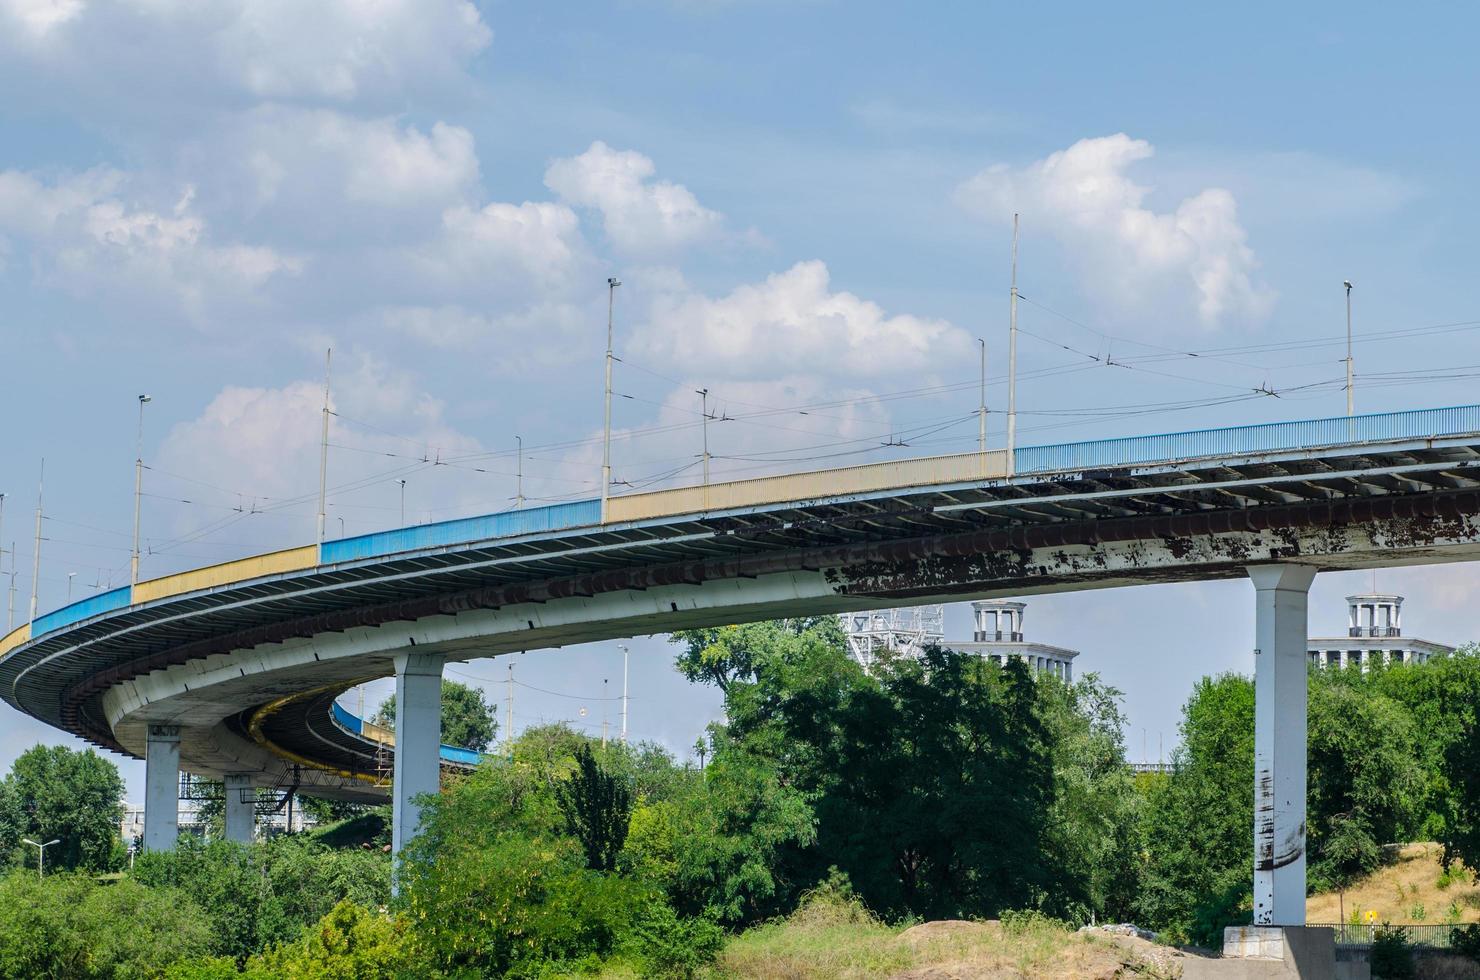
(907,631)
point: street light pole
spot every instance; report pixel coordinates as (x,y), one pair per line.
(138,490)
(519,474)
(403,503)
(703,394)
(623,648)
(981,406)
(324,449)
(1012,357)
(1350,403)
(40,852)
(606,429)
(36,549)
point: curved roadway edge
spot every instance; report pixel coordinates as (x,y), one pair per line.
(273,648)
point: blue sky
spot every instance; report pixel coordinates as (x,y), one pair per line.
(809,205)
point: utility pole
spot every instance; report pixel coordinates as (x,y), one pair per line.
(519,476)
(606,429)
(1350,404)
(603,712)
(324,450)
(133,578)
(36,551)
(623,648)
(981,408)
(10,602)
(509,715)
(1012,357)
(703,394)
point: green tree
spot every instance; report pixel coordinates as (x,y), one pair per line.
(1199,866)
(53,792)
(597,806)
(467,718)
(1365,784)
(351,942)
(1094,824)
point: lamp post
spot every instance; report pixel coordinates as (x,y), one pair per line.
(403,503)
(40,852)
(606,429)
(138,490)
(70,577)
(623,648)
(1350,405)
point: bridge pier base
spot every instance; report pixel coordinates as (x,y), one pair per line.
(241,808)
(1281,598)
(162,787)
(417,767)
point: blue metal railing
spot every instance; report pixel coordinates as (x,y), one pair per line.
(533,520)
(1245,439)
(449,753)
(82,609)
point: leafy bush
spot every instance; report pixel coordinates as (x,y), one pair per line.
(1466,941)
(1392,953)
(257,895)
(672,947)
(514,905)
(68,926)
(1021,920)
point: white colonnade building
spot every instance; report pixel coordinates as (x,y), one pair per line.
(1374,634)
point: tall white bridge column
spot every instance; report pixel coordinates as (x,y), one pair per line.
(241,808)
(162,787)
(418,742)
(1281,596)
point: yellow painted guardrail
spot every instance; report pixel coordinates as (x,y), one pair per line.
(807,486)
(15,638)
(273,563)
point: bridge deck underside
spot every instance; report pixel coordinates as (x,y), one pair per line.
(61,677)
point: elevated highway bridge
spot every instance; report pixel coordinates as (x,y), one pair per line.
(231,671)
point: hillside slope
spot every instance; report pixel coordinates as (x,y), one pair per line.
(1414,889)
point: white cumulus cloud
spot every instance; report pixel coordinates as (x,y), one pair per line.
(795,319)
(83,232)
(1195,256)
(639,213)
(336,51)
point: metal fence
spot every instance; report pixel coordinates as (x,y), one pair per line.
(1360,937)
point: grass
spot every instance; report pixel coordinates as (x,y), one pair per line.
(1414,889)
(836,938)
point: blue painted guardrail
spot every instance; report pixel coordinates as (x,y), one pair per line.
(82,609)
(532,520)
(1246,439)
(449,753)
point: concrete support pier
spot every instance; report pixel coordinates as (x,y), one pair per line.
(1281,597)
(418,741)
(241,808)
(162,788)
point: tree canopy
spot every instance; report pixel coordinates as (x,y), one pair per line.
(55,793)
(467,718)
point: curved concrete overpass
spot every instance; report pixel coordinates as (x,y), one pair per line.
(236,666)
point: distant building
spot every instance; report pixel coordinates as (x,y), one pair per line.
(1374,634)
(998,635)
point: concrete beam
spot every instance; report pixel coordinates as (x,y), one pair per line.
(241,808)
(1281,595)
(162,788)
(418,738)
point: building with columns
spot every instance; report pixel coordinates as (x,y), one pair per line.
(998,635)
(1374,634)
